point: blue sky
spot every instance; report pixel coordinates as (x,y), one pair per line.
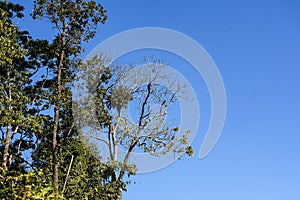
(256,46)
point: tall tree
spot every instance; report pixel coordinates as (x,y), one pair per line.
(19,118)
(76,22)
(104,93)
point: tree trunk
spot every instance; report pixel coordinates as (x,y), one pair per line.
(56,126)
(8,132)
(6,148)
(55,152)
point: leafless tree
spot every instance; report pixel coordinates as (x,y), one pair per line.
(150,89)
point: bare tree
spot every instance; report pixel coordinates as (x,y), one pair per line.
(103,97)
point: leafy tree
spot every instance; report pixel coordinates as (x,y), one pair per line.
(36,104)
(19,119)
(40,77)
(75,22)
(84,175)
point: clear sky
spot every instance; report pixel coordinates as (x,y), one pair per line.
(256,46)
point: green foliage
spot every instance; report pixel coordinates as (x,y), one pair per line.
(19,186)
(75,22)
(19,120)
(119,98)
(89,178)
(10,48)
(36,114)
(79,19)
(24,97)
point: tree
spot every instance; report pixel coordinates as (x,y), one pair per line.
(75,22)
(104,93)
(19,119)
(32,82)
(84,175)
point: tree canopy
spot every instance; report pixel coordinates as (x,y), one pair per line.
(45,151)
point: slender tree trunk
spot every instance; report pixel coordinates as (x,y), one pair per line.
(55,151)
(6,148)
(61,57)
(8,132)
(56,125)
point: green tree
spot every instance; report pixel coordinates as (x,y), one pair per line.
(84,175)
(32,66)
(75,22)
(19,119)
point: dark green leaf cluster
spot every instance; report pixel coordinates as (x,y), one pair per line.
(10,10)
(119,97)
(89,177)
(79,19)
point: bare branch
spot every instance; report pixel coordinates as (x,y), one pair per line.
(144,104)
